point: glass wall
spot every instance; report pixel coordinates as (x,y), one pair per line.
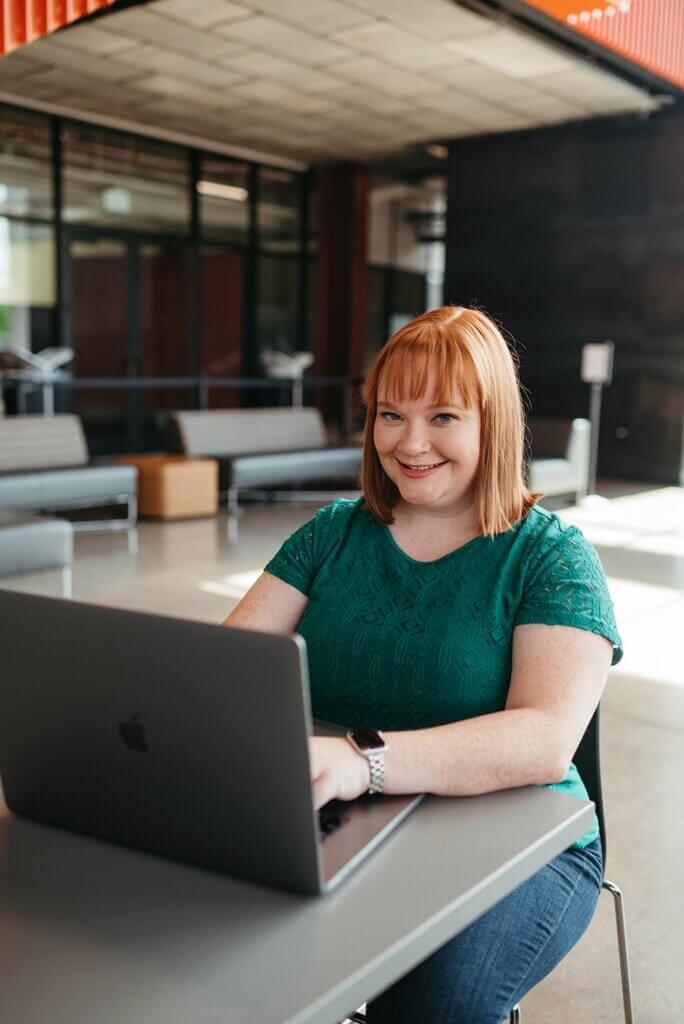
(28,290)
(278,314)
(224,200)
(405,251)
(99,336)
(26,183)
(279,210)
(149,260)
(225,191)
(123,181)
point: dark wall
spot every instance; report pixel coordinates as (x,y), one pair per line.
(576,234)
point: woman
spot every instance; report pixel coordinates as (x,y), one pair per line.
(470,625)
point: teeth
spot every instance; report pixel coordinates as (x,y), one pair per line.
(433,466)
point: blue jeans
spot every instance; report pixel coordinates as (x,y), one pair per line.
(479,976)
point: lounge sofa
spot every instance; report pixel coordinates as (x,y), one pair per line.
(560,455)
(44,466)
(31,543)
(263,448)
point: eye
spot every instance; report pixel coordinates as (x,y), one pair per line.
(445,417)
(389,417)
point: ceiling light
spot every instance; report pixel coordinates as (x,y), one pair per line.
(116,199)
(219,191)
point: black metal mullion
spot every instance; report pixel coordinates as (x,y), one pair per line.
(63,317)
(388,295)
(303,260)
(194,324)
(135,431)
(251,365)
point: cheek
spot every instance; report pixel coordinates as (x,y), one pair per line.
(473,449)
(380,439)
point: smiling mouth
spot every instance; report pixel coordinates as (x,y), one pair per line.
(422,468)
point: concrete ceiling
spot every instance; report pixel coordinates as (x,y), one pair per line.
(311,80)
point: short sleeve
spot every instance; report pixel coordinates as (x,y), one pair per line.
(299,559)
(566,586)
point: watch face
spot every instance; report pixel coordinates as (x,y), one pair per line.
(368,739)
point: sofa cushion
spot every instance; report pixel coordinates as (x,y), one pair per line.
(553,476)
(41,442)
(32,543)
(227,432)
(62,487)
(269,470)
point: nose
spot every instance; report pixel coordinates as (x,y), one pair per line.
(414,438)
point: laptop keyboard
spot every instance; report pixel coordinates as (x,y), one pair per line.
(330,818)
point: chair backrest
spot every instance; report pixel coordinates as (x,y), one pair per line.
(587,760)
(228,432)
(41,442)
(550,437)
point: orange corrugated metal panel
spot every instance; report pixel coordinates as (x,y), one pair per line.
(37,19)
(646,32)
(24,20)
(14,18)
(57,14)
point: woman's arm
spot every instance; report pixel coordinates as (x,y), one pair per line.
(270,605)
(558,675)
(557,678)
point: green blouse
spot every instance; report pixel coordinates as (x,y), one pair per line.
(394,643)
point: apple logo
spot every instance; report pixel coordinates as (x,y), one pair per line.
(132,733)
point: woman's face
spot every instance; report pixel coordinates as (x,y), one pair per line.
(430,451)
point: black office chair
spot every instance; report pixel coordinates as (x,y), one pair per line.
(588,763)
(587,760)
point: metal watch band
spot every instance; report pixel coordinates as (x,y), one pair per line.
(377,771)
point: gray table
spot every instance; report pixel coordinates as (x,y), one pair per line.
(91,932)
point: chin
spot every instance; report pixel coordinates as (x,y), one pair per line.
(415,498)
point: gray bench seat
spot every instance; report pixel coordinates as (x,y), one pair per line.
(263,448)
(35,543)
(44,464)
(270,470)
(63,488)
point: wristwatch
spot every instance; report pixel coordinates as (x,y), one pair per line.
(371,744)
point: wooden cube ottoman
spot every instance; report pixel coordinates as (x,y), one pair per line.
(173,487)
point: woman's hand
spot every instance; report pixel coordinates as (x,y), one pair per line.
(338,772)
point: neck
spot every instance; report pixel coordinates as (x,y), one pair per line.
(462,518)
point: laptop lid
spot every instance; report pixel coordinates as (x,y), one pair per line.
(179,738)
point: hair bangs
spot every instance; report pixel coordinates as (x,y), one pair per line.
(419,368)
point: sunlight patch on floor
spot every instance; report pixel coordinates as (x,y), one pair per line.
(651,521)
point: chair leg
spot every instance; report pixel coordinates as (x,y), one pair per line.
(66,581)
(515,1015)
(233,513)
(622,946)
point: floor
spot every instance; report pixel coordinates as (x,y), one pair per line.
(188,569)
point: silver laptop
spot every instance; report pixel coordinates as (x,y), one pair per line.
(177,738)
